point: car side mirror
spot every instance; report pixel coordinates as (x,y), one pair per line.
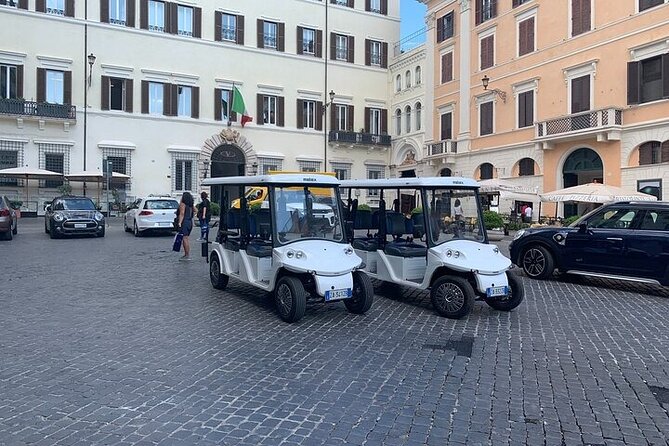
(583,228)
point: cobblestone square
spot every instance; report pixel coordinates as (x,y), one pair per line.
(113,341)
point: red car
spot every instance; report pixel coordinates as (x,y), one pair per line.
(8,219)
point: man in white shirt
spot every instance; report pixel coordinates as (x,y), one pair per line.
(528,214)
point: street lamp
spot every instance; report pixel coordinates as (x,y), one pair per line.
(205,168)
(497,91)
(325,129)
(87,85)
(91,61)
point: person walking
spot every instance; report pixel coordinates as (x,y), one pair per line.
(204,215)
(528,214)
(185,224)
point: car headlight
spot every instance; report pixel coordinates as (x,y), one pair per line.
(58,216)
(519,234)
(98,216)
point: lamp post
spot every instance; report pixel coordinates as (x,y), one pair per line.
(87,84)
(325,129)
(325,42)
(486,81)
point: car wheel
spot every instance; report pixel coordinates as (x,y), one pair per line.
(218,279)
(363,294)
(8,235)
(452,296)
(16,228)
(53,234)
(125,225)
(290,299)
(537,262)
(136,230)
(101,233)
(513,299)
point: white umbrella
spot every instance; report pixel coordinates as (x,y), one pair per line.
(595,193)
(29,173)
(497,185)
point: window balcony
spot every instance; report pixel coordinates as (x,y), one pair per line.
(19,108)
(442,152)
(605,124)
(367,139)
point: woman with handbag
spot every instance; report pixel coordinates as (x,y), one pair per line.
(185,224)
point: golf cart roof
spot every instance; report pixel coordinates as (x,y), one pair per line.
(415,182)
(292,179)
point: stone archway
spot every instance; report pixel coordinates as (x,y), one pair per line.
(582,166)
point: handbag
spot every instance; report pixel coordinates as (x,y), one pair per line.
(178,238)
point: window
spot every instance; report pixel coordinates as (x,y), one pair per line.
(419,77)
(446,67)
(341,47)
(117,94)
(222,104)
(580,94)
(609,218)
(184,101)
(487,52)
(651,187)
(486,171)
(445,27)
(342,170)
(526,167)
(407,119)
(398,83)
(269,110)
(55,162)
(265,165)
(121,163)
(156,16)
(580,16)
(11,155)
(156,98)
(183,175)
(653,152)
(56,158)
(407,79)
(375,121)
(309,166)
(308,41)
(526,36)
(418,116)
(56,7)
(446,126)
(8,82)
(655,221)
(647,4)
(341,117)
(398,121)
(648,80)
(486,118)
(117,12)
(269,35)
(309,114)
(374,173)
(185,21)
(526,109)
(229,27)
(485,10)
(375,53)
(375,6)
(517,3)
(55,87)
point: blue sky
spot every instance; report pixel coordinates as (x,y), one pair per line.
(412,13)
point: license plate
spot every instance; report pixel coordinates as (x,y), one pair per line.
(495,291)
(338,294)
(80,226)
(164,224)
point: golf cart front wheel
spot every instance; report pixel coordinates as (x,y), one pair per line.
(452,296)
(363,294)
(513,299)
(290,298)
(217,278)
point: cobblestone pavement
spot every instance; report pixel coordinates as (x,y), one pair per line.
(113,341)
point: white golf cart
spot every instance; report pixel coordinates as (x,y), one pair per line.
(430,237)
(288,244)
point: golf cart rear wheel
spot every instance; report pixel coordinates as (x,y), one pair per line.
(218,279)
(515,297)
(363,294)
(290,298)
(452,296)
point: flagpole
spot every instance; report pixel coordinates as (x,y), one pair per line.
(230,101)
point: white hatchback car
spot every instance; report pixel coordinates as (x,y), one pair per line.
(155,214)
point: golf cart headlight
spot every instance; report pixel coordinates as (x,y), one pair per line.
(299,254)
(290,254)
(58,216)
(495,250)
(98,216)
(348,251)
(519,234)
(456,254)
(449,253)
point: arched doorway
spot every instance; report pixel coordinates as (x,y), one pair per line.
(227,160)
(582,166)
(445,172)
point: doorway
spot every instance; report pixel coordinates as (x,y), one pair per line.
(227,160)
(582,166)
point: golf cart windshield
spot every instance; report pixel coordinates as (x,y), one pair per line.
(454,215)
(307,213)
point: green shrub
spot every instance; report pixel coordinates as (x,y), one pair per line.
(492,220)
(215,209)
(569,220)
(364,207)
(15,204)
(418,210)
(517,226)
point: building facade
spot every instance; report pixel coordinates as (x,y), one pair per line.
(548,94)
(147,85)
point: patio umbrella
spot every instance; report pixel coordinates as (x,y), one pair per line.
(94,176)
(595,193)
(29,173)
(497,185)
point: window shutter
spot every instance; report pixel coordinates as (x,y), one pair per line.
(173,23)
(130,13)
(333,118)
(521,110)
(633,84)
(167,99)
(174,99)
(19,81)
(384,121)
(300,40)
(368,113)
(279,111)
(333,46)
(446,68)
(197,22)
(104,93)
(384,55)
(493,8)
(646,154)
(440,28)
(67,87)
(41,84)
(351,3)
(281,37)
(23,4)
(260,31)
(446,126)
(530,34)
(319,116)
(665,152)
(486,118)
(529,108)
(665,75)
(218,25)
(350,116)
(240,30)
(368,5)
(585,15)
(195,103)
(479,11)
(259,109)
(580,94)
(145,97)
(128,95)
(69,8)
(40,5)
(300,114)
(384,7)
(218,104)
(351,49)
(522,38)
(319,43)
(515,3)
(144,14)
(104,11)
(368,52)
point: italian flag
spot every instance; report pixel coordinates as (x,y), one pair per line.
(238,106)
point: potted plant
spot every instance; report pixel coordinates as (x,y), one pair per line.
(494,225)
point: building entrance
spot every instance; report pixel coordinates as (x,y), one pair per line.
(227,160)
(581,167)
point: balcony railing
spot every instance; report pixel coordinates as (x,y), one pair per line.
(445,147)
(359,138)
(577,123)
(17,107)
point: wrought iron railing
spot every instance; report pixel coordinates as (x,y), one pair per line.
(359,138)
(447,146)
(410,42)
(229,33)
(588,120)
(19,107)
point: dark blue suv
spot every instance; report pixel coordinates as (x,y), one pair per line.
(624,240)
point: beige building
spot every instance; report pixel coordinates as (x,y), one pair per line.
(147,85)
(549,94)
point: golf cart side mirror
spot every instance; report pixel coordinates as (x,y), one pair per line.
(48,208)
(583,228)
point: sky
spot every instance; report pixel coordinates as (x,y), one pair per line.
(412,13)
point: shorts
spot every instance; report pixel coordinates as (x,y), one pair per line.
(187,227)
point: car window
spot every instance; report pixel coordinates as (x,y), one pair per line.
(655,221)
(613,219)
(161,204)
(76,204)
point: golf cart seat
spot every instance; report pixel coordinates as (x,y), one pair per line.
(259,224)
(233,219)
(259,248)
(363,220)
(396,226)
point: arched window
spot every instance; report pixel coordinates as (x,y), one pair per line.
(407,79)
(419,77)
(653,152)
(486,171)
(398,83)
(398,121)
(419,108)
(407,119)
(445,172)
(526,167)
